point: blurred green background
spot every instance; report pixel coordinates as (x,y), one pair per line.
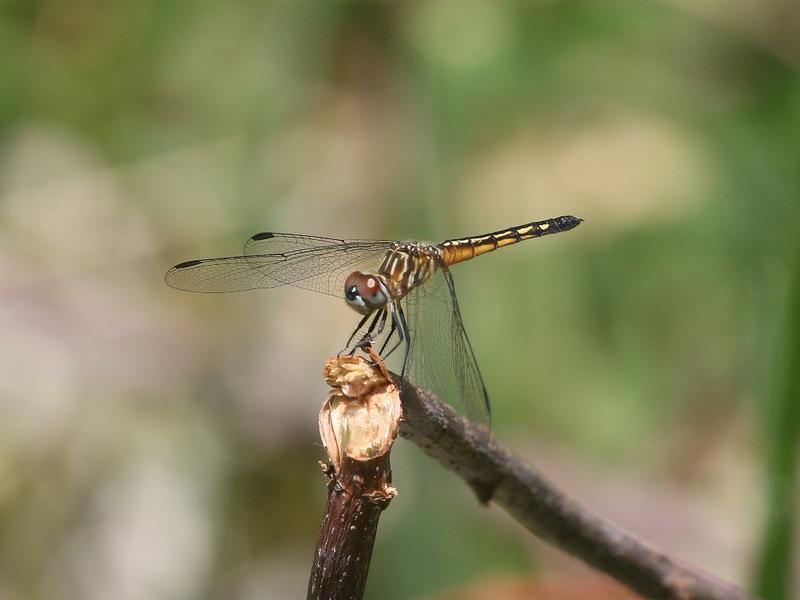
(162,445)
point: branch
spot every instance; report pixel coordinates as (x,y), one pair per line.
(358,424)
(495,474)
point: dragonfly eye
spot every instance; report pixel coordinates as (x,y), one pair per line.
(365,292)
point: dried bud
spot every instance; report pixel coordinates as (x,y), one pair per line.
(362,413)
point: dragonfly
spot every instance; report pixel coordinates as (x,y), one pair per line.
(403,290)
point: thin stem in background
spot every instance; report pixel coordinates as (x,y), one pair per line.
(774,574)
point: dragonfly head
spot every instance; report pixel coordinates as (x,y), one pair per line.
(365,293)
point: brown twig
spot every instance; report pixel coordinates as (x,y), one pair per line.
(358,425)
(496,475)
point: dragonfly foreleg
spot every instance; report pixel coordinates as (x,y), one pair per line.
(380,321)
(352,335)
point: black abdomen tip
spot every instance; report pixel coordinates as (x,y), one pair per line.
(567,222)
(188,263)
(263,236)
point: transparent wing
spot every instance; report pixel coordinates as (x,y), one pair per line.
(273,259)
(271,242)
(440,356)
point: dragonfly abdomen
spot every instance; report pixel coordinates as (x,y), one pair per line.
(459,250)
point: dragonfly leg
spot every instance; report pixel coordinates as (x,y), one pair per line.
(400,337)
(380,321)
(406,334)
(352,335)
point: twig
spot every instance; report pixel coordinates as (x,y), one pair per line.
(496,475)
(358,425)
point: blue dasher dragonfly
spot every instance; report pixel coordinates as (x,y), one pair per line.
(403,290)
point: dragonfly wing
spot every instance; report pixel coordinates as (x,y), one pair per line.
(440,356)
(229,274)
(273,242)
(275,259)
(317,263)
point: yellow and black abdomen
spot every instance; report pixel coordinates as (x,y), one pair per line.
(459,250)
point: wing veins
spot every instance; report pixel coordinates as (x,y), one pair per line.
(289,267)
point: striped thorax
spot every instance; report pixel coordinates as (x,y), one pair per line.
(405,265)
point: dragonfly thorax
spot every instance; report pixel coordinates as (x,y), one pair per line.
(365,293)
(407,265)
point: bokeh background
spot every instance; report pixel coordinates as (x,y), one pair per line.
(162,445)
